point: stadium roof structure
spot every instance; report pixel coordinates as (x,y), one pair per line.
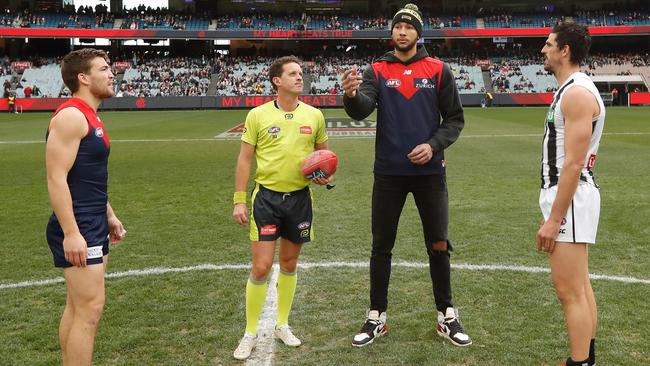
(297,34)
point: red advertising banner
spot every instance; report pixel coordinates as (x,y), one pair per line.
(250,101)
(21,65)
(320,34)
(246,101)
(530,98)
(301,34)
(34,104)
(639,98)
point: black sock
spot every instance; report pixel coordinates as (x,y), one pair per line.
(592,352)
(570,362)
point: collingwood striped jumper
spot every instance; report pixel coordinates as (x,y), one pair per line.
(553,143)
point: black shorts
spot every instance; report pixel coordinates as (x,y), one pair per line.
(281,214)
(94,228)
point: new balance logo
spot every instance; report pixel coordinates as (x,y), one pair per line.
(408,72)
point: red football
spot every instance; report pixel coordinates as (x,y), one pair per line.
(319,164)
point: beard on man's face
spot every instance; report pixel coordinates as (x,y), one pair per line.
(406,47)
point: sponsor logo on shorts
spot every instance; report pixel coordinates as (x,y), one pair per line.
(99,132)
(268,230)
(393,83)
(423,83)
(304,233)
(95,252)
(304,225)
(305,130)
(591,161)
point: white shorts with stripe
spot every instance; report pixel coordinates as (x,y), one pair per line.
(581,221)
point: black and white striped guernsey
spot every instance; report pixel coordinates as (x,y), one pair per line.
(553,143)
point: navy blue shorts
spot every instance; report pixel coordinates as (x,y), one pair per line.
(94,228)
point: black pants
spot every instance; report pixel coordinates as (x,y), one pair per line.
(388,197)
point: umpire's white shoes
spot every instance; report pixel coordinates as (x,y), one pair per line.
(245,347)
(286,336)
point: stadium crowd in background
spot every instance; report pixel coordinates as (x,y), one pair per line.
(168,77)
(243,75)
(144,17)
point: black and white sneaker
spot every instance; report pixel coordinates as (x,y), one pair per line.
(375,326)
(449,327)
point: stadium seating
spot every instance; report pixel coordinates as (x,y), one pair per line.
(47,78)
(45,20)
(147,18)
(520,21)
(166,77)
(179,22)
(248,75)
(469,79)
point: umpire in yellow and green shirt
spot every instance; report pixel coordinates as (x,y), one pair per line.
(280,134)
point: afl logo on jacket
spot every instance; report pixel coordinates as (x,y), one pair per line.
(393,83)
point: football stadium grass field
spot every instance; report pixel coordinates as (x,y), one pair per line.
(171,184)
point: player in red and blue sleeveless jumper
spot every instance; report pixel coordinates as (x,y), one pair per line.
(83,221)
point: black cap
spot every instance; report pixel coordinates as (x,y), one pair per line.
(409,14)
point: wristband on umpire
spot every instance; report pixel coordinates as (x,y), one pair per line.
(239,197)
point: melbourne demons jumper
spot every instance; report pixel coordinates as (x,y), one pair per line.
(88,184)
(411,97)
(581,221)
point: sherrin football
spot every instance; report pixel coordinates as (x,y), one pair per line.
(319,164)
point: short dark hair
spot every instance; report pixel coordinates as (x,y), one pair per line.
(77,62)
(278,66)
(576,36)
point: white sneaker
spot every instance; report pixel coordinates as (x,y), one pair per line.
(245,347)
(286,336)
(449,327)
(375,326)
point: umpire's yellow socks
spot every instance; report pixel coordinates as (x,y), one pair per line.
(255,297)
(286,290)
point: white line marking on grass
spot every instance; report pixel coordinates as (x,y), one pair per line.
(34,283)
(22,142)
(219,267)
(350,138)
(263,353)
(133,273)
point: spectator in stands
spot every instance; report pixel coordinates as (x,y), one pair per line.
(615,96)
(28,91)
(36,91)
